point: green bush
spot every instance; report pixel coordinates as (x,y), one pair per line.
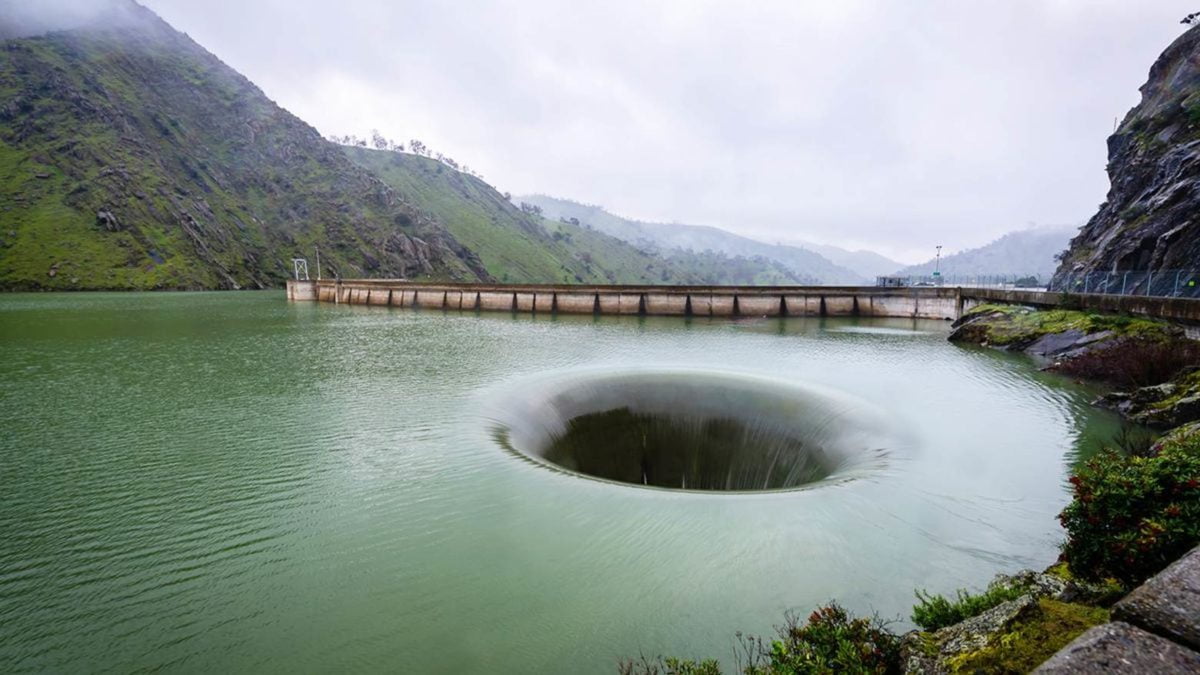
(937,611)
(1131,516)
(832,641)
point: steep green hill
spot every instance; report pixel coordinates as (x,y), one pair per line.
(130,157)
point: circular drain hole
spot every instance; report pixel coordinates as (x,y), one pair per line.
(694,430)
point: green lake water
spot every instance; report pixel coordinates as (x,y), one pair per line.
(226,482)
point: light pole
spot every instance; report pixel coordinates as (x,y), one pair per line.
(937,265)
(318,261)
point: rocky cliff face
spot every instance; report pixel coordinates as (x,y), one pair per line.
(130,157)
(1151,219)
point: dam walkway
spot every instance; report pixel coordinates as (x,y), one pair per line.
(920,302)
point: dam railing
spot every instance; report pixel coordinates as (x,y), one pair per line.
(933,302)
(1171,283)
(1166,283)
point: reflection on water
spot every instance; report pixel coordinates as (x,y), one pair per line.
(226,482)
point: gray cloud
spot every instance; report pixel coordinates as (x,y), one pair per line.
(883,125)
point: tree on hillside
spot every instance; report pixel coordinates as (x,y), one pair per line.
(417,147)
(378,140)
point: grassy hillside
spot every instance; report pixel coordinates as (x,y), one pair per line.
(515,246)
(132,158)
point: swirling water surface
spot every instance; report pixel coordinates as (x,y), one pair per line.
(228,482)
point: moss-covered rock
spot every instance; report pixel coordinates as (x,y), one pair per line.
(1046,627)
(1163,406)
(1056,333)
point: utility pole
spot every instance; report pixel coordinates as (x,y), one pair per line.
(318,261)
(937,265)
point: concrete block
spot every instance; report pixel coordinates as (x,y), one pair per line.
(1121,648)
(631,303)
(577,303)
(701,304)
(839,305)
(803,305)
(453,300)
(378,296)
(524,302)
(544,302)
(721,305)
(666,304)
(610,303)
(1169,603)
(496,301)
(760,305)
(431,299)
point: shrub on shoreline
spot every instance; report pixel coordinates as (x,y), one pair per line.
(831,641)
(933,612)
(1131,516)
(1135,361)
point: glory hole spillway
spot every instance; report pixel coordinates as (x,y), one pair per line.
(695,430)
(438,489)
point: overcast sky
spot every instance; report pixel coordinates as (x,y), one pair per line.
(885,125)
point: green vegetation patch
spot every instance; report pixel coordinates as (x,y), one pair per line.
(1188,385)
(1131,516)
(1031,640)
(1016,324)
(832,641)
(933,612)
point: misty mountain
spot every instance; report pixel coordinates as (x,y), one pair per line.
(130,157)
(696,238)
(516,246)
(867,264)
(1022,253)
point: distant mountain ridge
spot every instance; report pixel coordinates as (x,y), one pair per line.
(696,238)
(132,158)
(1023,253)
(867,264)
(515,246)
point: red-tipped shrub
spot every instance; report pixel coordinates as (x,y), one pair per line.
(1134,362)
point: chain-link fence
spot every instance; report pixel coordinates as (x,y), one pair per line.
(1028,281)
(1160,283)
(1178,283)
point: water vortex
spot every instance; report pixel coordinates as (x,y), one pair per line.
(690,430)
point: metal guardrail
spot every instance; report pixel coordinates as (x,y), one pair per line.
(1172,283)
(1177,283)
(1008,281)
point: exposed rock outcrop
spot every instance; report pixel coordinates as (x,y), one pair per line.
(1162,406)
(1151,219)
(1046,600)
(1050,335)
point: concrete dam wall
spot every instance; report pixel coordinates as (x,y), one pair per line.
(913,302)
(921,303)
